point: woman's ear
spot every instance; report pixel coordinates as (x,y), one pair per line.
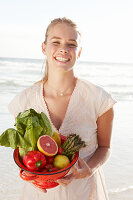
(79,53)
(44,48)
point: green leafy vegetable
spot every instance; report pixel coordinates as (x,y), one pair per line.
(30,125)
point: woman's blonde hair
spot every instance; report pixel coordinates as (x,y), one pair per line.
(53,23)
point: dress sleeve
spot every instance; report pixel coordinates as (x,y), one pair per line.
(18,103)
(105,103)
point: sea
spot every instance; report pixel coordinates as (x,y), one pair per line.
(17,74)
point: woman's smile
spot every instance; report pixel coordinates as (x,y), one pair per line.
(62,59)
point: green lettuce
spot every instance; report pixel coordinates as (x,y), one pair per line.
(30,125)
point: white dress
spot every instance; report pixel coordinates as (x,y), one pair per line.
(86,104)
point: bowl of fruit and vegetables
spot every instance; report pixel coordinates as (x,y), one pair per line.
(41,155)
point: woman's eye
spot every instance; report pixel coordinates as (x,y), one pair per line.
(56,42)
(72,45)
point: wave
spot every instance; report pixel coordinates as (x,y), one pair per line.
(119,190)
(12,85)
(120,92)
(17,67)
(80,62)
(122,88)
(19,60)
(21,65)
(22,72)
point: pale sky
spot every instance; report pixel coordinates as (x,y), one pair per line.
(106,27)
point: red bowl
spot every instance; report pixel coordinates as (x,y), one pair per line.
(42,180)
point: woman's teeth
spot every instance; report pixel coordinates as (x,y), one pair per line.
(62,59)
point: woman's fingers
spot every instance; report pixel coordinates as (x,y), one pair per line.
(74,170)
(66,180)
(44,190)
(82,163)
(82,170)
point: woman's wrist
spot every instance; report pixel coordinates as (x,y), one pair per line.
(90,170)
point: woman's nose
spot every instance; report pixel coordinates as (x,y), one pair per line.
(64,50)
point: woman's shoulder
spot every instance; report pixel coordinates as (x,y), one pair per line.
(30,93)
(97,96)
(24,99)
(32,88)
(92,87)
(95,91)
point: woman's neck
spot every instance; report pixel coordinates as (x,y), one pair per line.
(60,84)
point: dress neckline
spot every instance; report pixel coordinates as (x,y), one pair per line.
(67,110)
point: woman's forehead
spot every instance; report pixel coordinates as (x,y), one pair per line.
(63,30)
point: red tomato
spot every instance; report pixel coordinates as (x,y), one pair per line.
(44,170)
(50,160)
(60,150)
(48,167)
(54,169)
(63,138)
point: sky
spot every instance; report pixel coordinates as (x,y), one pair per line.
(106,27)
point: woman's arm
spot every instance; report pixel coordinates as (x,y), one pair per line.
(104,131)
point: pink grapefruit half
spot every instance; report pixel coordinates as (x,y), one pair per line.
(47,145)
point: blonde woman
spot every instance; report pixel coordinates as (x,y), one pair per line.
(72,106)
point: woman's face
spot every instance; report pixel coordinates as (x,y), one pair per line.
(62,47)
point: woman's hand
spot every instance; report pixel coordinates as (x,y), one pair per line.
(43,190)
(83,170)
(78,172)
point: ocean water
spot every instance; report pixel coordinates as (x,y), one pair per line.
(17,74)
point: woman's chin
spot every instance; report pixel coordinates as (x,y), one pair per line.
(63,67)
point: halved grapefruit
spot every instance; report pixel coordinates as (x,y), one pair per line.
(47,145)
